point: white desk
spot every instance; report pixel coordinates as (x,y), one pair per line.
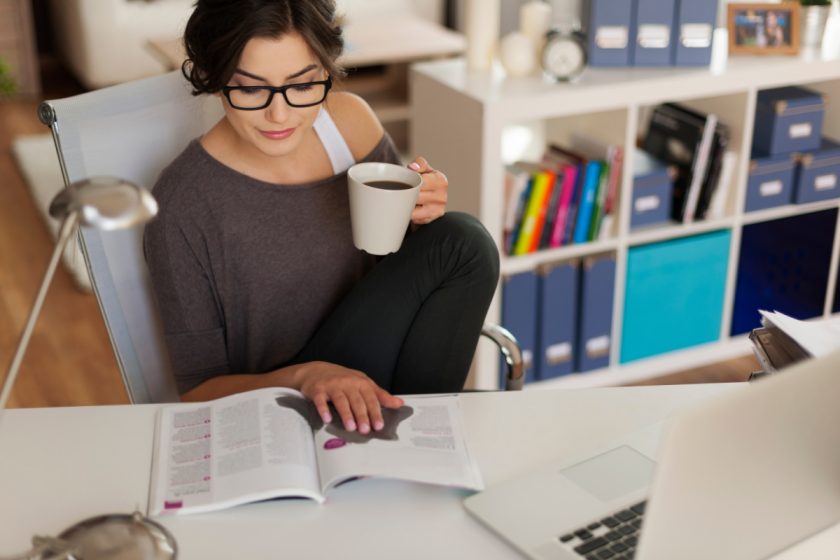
(58,466)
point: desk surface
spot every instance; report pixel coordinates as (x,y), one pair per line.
(62,465)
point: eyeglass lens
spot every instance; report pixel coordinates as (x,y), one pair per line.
(257,97)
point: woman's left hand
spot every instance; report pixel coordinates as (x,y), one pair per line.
(431,202)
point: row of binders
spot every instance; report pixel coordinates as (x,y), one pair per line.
(561,315)
(695,145)
(567,198)
(650,32)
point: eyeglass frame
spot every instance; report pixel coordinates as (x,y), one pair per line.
(281,90)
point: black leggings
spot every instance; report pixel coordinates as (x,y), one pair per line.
(413,322)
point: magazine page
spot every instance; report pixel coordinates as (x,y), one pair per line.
(234,450)
(423,441)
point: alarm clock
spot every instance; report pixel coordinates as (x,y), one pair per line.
(564,54)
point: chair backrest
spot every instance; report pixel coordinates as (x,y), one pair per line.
(131,131)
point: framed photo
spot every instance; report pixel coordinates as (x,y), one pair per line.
(763,28)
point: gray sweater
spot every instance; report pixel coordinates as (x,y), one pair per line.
(244,271)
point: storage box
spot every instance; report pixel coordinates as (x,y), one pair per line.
(770,181)
(674,293)
(788,119)
(653,184)
(818,173)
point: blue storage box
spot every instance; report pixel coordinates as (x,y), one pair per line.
(770,181)
(783,265)
(788,119)
(653,184)
(674,294)
(818,173)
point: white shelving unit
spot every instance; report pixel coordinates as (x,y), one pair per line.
(459,119)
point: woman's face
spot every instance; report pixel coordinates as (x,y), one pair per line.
(278,129)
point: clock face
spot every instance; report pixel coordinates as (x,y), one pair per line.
(563,57)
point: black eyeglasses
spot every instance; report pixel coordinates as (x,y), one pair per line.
(253,98)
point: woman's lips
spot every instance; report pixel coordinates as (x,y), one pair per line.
(277,134)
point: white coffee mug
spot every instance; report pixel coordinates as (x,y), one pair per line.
(379,211)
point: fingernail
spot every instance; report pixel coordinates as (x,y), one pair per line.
(414,165)
(326,418)
(364,428)
(378,425)
(351,426)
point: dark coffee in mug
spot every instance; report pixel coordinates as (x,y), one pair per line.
(388,185)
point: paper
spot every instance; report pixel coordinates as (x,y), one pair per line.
(818,338)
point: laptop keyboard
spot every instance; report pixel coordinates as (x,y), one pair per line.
(611,538)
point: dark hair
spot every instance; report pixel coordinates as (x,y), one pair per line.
(218,31)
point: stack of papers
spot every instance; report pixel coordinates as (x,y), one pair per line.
(783,340)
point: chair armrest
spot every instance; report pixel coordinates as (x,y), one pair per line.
(509,346)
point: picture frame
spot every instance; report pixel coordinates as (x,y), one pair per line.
(763,28)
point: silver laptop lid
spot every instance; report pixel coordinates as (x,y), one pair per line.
(752,473)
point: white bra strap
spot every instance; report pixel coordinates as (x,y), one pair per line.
(339,153)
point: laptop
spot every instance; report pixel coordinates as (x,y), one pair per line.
(741,476)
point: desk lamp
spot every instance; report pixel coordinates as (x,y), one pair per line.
(105,203)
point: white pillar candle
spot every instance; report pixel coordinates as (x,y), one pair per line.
(534,22)
(481,26)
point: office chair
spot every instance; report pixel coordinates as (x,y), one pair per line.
(133,131)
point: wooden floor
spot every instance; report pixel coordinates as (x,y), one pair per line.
(69,361)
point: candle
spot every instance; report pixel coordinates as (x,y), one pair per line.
(534,22)
(481,25)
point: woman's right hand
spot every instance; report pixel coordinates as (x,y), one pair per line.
(355,396)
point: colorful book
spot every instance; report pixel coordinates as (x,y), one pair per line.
(542,211)
(551,211)
(592,176)
(522,205)
(615,159)
(529,221)
(600,199)
(516,182)
(558,230)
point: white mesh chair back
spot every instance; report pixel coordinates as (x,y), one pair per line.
(132,131)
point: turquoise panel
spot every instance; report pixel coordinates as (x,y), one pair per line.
(674,294)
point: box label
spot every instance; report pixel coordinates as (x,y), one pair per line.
(800,130)
(611,37)
(825,182)
(559,353)
(696,35)
(646,203)
(654,36)
(598,346)
(771,188)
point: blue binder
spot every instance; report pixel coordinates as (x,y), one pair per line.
(597,279)
(651,31)
(519,316)
(607,25)
(693,31)
(558,318)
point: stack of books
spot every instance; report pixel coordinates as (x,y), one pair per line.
(696,144)
(782,340)
(569,197)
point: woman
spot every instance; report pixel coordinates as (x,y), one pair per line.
(251,255)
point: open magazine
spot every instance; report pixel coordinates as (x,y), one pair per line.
(271,443)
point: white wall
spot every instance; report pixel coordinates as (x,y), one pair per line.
(432,10)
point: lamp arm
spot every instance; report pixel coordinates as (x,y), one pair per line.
(67,228)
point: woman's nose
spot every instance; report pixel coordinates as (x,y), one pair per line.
(278,109)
